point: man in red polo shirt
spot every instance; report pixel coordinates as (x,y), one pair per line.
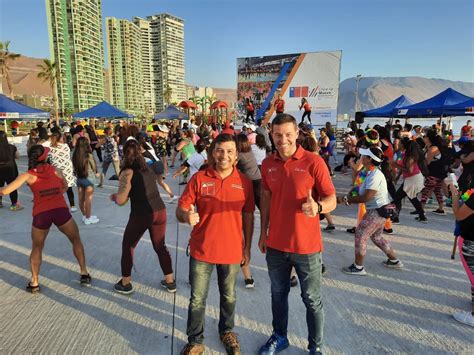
(223,198)
(296,188)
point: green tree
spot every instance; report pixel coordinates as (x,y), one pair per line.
(6,57)
(50,72)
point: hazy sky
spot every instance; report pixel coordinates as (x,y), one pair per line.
(428,38)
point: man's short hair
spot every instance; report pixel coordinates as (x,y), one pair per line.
(223,138)
(282,118)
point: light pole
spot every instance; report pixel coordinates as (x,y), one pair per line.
(358,77)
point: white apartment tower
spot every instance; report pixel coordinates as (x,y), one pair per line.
(167,57)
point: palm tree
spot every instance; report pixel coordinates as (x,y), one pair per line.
(50,72)
(167,95)
(5,58)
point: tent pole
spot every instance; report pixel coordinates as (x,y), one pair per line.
(6,125)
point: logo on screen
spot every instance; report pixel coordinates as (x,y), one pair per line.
(299,91)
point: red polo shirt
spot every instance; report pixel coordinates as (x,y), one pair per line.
(218,237)
(290,229)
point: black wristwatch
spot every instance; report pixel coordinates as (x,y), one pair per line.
(320,208)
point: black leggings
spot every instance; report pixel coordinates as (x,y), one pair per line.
(7,175)
(137,226)
(98,151)
(306,113)
(250,115)
(414,201)
(70,196)
(257,187)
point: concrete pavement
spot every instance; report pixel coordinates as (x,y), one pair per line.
(389,311)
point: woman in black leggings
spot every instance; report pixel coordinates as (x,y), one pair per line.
(147,212)
(8,169)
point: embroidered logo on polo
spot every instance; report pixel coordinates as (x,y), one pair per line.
(235,186)
(272,173)
(299,170)
(208,189)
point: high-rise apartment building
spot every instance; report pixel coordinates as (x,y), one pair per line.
(124,47)
(167,41)
(147,69)
(75,37)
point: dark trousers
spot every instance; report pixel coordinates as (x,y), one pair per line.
(257,187)
(137,225)
(414,201)
(200,276)
(98,151)
(7,175)
(70,196)
(306,114)
(308,268)
(250,116)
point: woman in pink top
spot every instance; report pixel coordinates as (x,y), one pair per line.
(411,163)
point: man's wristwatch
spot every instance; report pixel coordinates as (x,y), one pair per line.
(320,208)
(345,199)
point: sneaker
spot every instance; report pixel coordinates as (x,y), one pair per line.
(172,199)
(464,318)
(85,280)
(388,230)
(193,349)
(323,270)
(182,183)
(393,264)
(293,281)
(170,286)
(274,345)
(123,289)
(73,209)
(351,230)
(249,283)
(439,212)
(94,218)
(413,213)
(330,228)
(90,220)
(315,351)
(395,220)
(16,207)
(231,343)
(422,219)
(353,270)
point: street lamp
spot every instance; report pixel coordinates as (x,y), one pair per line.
(358,77)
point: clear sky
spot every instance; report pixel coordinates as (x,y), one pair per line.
(428,38)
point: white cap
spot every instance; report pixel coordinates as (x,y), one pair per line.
(163,128)
(252,127)
(368,153)
(347,130)
(245,125)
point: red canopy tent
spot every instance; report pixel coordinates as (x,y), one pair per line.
(217,111)
(187,105)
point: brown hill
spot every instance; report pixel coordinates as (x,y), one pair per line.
(23,72)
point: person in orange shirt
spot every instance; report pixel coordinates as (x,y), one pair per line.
(279,105)
(296,188)
(307,109)
(219,203)
(250,110)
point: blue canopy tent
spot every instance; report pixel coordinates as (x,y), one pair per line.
(102,110)
(433,107)
(10,109)
(465,108)
(171,113)
(390,109)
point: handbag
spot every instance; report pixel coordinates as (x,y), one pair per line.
(387,211)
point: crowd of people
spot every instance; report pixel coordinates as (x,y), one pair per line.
(283,170)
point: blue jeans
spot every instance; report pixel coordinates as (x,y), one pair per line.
(199,276)
(308,268)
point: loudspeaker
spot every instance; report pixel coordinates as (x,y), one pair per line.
(359,117)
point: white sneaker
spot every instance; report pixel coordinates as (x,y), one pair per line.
(464,318)
(172,199)
(83,218)
(90,220)
(94,218)
(73,209)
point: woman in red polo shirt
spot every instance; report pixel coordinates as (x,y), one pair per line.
(49,206)
(250,110)
(307,109)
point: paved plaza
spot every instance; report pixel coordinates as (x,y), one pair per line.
(388,311)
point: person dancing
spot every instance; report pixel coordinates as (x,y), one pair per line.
(147,212)
(49,206)
(307,109)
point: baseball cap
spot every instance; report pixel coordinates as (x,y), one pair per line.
(252,127)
